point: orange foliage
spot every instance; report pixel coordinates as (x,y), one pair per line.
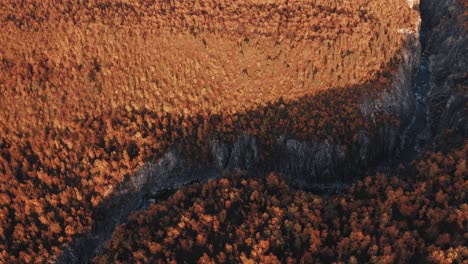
(90,91)
(399,221)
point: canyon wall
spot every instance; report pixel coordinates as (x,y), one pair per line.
(313,164)
(323,165)
(446,46)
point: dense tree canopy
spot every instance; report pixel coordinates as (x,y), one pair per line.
(90,90)
(401,218)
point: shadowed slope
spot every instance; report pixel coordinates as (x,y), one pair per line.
(90,92)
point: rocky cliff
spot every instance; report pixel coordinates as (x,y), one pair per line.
(447,49)
(308,163)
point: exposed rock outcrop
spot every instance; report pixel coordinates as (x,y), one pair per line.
(308,163)
(446,45)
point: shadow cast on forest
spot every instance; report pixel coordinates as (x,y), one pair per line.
(324,139)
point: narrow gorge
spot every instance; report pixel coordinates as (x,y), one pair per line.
(428,95)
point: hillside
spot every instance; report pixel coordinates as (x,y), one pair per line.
(187,58)
(391,218)
(95,92)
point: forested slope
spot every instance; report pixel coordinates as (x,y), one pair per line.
(403,216)
(91,90)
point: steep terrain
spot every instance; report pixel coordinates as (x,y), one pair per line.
(109,105)
(295,156)
(441,89)
(403,217)
(420,227)
(447,47)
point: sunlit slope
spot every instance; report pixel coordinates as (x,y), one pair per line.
(89,91)
(62,60)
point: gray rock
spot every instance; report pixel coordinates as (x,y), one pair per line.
(311,163)
(220,153)
(244,154)
(364,150)
(448,61)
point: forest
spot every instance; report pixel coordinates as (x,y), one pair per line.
(91,90)
(399,217)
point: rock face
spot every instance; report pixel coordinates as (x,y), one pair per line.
(446,45)
(309,164)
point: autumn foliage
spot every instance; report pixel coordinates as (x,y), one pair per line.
(402,218)
(90,90)
(68,60)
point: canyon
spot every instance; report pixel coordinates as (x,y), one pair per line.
(428,95)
